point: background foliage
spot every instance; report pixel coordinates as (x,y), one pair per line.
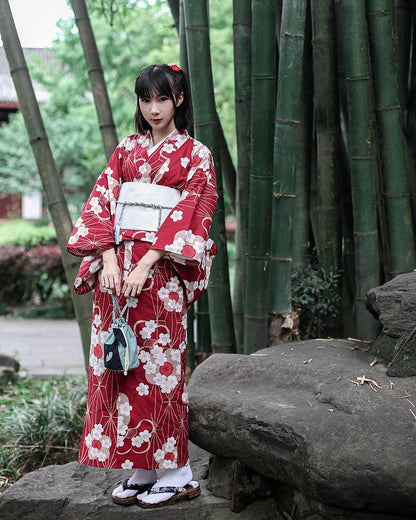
(137,34)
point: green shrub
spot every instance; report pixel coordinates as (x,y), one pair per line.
(34,274)
(42,424)
(27,233)
(315,292)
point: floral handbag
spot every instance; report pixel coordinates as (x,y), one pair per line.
(120,347)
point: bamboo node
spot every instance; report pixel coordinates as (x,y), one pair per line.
(283,196)
(396,195)
(282,260)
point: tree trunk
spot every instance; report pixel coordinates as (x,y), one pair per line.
(95,73)
(286,146)
(242,78)
(362,160)
(48,172)
(262,114)
(392,144)
(206,130)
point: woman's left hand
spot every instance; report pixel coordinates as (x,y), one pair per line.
(135,281)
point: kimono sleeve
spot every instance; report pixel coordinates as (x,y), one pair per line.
(94,229)
(184,233)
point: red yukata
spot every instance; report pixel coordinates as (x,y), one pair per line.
(141,420)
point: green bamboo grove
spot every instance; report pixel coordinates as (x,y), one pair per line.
(333,174)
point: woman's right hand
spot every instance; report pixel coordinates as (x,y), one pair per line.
(111,273)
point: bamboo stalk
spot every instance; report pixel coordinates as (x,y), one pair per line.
(259,225)
(411,120)
(286,144)
(96,76)
(361,159)
(301,224)
(45,162)
(206,130)
(242,77)
(393,153)
(402,24)
(327,232)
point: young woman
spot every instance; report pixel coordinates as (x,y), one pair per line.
(143,234)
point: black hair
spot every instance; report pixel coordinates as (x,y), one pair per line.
(164,81)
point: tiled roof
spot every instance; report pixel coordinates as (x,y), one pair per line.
(7,91)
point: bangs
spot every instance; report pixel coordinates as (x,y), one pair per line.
(153,80)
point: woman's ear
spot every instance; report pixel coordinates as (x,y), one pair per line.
(179,99)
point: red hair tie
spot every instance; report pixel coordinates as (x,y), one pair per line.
(174,67)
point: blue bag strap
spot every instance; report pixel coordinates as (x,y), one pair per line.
(120,312)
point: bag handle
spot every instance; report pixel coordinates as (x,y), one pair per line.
(121,312)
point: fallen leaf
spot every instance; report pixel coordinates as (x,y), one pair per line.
(307,361)
(282,405)
(374,362)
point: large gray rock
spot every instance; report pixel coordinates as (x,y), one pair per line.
(74,491)
(295,414)
(394,305)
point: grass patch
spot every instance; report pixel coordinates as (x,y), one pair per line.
(27,233)
(42,423)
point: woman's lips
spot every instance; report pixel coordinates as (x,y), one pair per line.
(156,121)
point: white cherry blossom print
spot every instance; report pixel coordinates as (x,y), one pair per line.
(143,389)
(124,408)
(143,437)
(163,369)
(127,464)
(176,215)
(172,295)
(167,456)
(148,329)
(98,444)
(95,205)
(144,171)
(185,162)
(168,148)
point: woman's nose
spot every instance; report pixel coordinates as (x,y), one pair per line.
(154,108)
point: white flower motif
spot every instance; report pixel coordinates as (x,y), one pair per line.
(168,148)
(145,169)
(145,435)
(144,356)
(125,408)
(97,320)
(95,205)
(132,302)
(127,144)
(185,398)
(127,464)
(164,339)
(148,329)
(176,355)
(185,162)
(108,171)
(182,347)
(150,236)
(150,368)
(143,389)
(98,444)
(167,455)
(176,215)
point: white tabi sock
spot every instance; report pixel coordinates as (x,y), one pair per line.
(140,476)
(177,477)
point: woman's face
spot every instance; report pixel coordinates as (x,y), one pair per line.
(159,110)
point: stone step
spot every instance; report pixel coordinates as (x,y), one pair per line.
(74,491)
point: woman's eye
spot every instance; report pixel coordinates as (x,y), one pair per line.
(144,100)
(164,98)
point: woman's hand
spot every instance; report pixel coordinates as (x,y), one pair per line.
(111,273)
(133,284)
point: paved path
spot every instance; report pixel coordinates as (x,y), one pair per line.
(43,347)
